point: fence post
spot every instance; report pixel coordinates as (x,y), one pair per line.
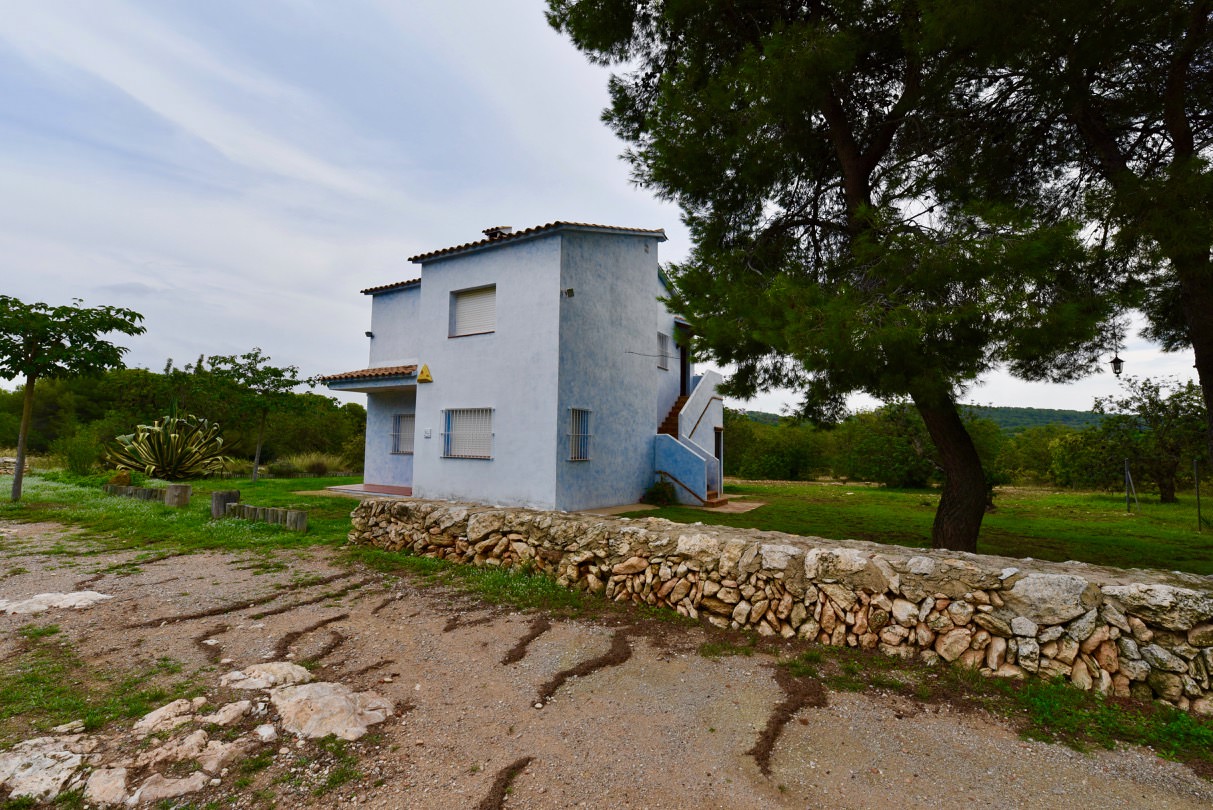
(177,495)
(296,520)
(220,499)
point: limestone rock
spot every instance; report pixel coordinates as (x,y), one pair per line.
(106,786)
(40,603)
(175,750)
(1160,658)
(1052,598)
(1166,685)
(157,788)
(266,676)
(1201,635)
(1023,626)
(952,644)
(166,717)
(632,565)
(905,612)
(217,755)
(319,709)
(1172,607)
(39,768)
(226,715)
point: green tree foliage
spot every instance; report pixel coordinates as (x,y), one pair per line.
(1103,111)
(107,405)
(802,143)
(38,341)
(790,450)
(1159,427)
(261,388)
(1027,455)
(175,448)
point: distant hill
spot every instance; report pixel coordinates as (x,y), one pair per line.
(1009,420)
(1016,420)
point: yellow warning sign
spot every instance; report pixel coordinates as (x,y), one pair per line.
(424,375)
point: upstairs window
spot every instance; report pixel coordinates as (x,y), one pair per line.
(663,350)
(468,433)
(402,433)
(579,435)
(474,312)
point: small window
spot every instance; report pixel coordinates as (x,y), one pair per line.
(402,433)
(663,350)
(579,435)
(474,312)
(468,434)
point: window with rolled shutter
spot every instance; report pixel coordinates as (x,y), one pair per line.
(474,312)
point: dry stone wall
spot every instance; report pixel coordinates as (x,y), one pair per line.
(1147,634)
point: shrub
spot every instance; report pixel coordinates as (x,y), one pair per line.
(175,448)
(315,463)
(79,453)
(660,494)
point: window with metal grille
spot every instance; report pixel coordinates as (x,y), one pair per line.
(579,435)
(663,350)
(468,433)
(402,433)
(474,312)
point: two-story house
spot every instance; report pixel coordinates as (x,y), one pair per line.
(536,368)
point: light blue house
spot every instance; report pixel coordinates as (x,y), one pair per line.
(536,368)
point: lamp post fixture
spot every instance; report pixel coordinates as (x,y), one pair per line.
(1118,365)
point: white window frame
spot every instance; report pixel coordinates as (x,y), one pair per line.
(467,433)
(473,311)
(404,430)
(580,434)
(663,351)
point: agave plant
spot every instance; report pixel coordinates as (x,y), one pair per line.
(175,448)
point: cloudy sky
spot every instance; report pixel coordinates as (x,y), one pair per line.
(237,171)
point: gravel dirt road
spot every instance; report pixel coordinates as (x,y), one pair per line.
(499,709)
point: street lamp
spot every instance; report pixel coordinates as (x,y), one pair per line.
(1118,365)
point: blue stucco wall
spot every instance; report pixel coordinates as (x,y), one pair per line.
(382,466)
(512,370)
(394,326)
(608,343)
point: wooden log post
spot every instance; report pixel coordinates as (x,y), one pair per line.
(177,495)
(221,499)
(231,510)
(296,520)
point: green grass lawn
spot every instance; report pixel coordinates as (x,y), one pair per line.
(1045,524)
(125,522)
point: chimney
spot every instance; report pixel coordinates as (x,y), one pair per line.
(498,231)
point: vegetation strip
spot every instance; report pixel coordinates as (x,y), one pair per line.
(211,651)
(798,694)
(539,626)
(457,621)
(337,594)
(380,664)
(495,799)
(621,651)
(336,639)
(284,644)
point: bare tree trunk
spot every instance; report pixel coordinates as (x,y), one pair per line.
(963,502)
(27,417)
(260,439)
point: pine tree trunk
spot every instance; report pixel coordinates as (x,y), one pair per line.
(1196,282)
(27,417)
(963,502)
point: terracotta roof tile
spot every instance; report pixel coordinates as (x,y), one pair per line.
(372,373)
(392,286)
(658,232)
